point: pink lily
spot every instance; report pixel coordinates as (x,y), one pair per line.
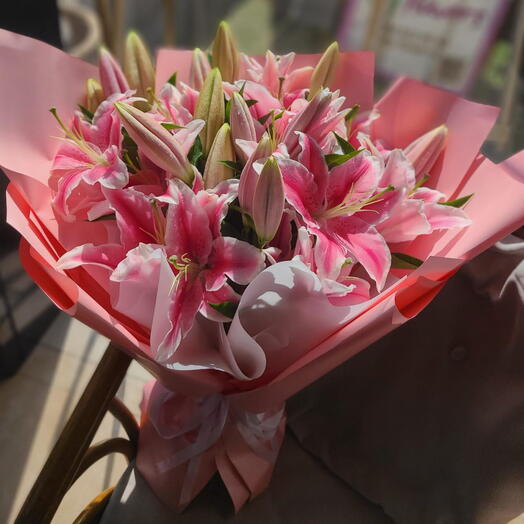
(242,124)
(344,290)
(249,176)
(156,142)
(199,69)
(420,211)
(202,260)
(268,201)
(80,167)
(335,208)
(277,74)
(180,102)
(425,150)
(317,119)
(112,77)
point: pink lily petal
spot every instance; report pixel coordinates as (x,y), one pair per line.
(187,225)
(186,136)
(298,79)
(185,301)
(398,171)
(329,256)
(406,222)
(312,158)
(114,175)
(313,112)
(428,195)
(134,216)
(270,74)
(136,278)
(224,294)
(266,102)
(365,245)
(349,291)
(301,189)
(246,146)
(354,180)
(379,210)
(215,207)
(112,78)
(231,257)
(107,256)
(445,217)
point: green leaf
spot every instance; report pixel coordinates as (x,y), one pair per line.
(112,216)
(130,151)
(170,125)
(235,166)
(420,182)
(403,261)
(88,114)
(172,79)
(352,113)
(228,309)
(241,91)
(251,102)
(227,113)
(459,202)
(344,144)
(196,152)
(335,159)
(263,119)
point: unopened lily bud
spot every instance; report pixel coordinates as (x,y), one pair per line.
(199,69)
(155,142)
(268,202)
(324,70)
(221,151)
(210,108)
(138,66)
(94,94)
(225,54)
(311,114)
(111,76)
(242,125)
(249,177)
(425,150)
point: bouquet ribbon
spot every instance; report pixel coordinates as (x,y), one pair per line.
(185,434)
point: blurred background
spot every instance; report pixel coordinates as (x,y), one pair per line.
(472,47)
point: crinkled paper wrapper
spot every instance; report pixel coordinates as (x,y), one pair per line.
(284,310)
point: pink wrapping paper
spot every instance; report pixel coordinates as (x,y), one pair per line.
(301,340)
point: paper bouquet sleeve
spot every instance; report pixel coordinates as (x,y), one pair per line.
(218,404)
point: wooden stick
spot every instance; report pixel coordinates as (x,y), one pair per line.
(62,464)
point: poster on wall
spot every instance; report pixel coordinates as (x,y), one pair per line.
(439,41)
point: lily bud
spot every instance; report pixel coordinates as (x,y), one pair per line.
(242,125)
(138,66)
(424,151)
(221,150)
(156,142)
(94,94)
(210,108)
(111,76)
(199,69)
(249,177)
(324,70)
(311,114)
(225,54)
(268,202)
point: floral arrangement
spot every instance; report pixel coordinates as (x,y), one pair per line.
(242,225)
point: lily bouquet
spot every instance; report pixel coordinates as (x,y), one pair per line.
(241,225)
